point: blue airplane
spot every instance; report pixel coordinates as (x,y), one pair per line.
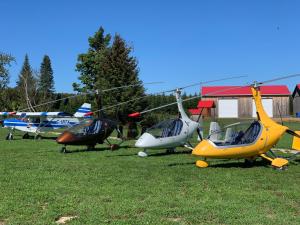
(42,122)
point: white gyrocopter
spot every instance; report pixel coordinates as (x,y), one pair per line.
(172,133)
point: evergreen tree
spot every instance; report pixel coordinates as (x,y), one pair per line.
(90,65)
(46,80)
(107,65)
(121,69)
(26,85)
(5,62)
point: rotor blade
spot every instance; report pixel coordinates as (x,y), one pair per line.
(212,81)
(218,91)
(278,78)
(206,82)
(184,100)
(87,93)
(131,85)
(291,132)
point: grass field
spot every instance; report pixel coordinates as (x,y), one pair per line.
(39,185)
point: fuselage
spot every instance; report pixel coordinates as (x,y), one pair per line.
(34,125)
(268,136)
(170,133)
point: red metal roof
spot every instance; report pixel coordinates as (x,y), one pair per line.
(243,91)
(195,111)
(206,104)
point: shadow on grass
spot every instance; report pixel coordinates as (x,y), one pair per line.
(227,164)
(96,149)
(160,154)
(170,153)
(230,164)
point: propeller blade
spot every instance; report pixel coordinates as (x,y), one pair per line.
(291,132)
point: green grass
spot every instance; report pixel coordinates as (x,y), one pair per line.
(38,185)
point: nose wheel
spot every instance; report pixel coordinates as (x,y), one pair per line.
(143,153)
(201,164)
(114,147)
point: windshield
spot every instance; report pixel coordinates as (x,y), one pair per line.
(237,134)
(87,127)
(166,128)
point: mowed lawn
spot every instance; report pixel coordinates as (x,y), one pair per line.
(38,185)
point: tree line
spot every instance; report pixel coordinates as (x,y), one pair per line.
(107,63)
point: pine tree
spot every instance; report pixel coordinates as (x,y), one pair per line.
(26,85)
(90,65)
(121,69)
(107,65)
(46,79)
(5,62)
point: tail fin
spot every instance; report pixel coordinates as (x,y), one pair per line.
(83,110)
(296,142)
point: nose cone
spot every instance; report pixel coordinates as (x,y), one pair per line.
(65,138)
(145,141)
(204,148)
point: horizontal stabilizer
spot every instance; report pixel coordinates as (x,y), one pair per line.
(136,114)
(296,141)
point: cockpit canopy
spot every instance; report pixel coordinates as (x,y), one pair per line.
(167,128)
(86,127)
(237,134)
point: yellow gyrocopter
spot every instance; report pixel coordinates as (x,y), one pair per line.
(247,141)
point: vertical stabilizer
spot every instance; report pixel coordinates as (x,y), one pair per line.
(83,110)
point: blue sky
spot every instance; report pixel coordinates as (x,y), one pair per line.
(179,42)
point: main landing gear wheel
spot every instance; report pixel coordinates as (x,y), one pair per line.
(9,136)
(26,136)
(91,147)
(280,168)
(38,137)
(249,162)
(142,154)
(114,147)
(170,150)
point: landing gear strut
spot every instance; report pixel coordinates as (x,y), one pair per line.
(9,136)
(63,149)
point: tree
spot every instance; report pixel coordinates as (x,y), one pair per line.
(27,84)
(121,69)
(90,65)
(5,61)
(46,80)
(107,65)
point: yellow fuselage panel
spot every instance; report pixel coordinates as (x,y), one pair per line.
(267,139)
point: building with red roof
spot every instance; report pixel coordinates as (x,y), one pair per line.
(296,100)
(237,101)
